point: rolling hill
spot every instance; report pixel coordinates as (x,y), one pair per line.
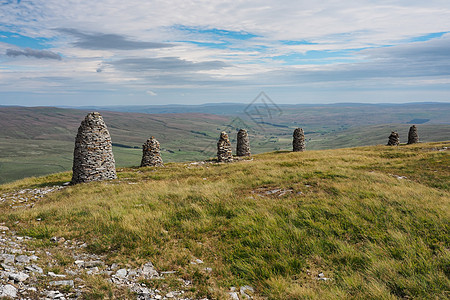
(356,223)
(39,140)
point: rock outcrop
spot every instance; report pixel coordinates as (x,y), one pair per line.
(151,154)
(298,142)
(243,143)
(393,139)
(224,153)
(413,137)
(93,158)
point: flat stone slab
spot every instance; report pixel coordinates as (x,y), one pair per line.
(18,277)
(63,282)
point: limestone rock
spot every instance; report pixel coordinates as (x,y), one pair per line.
(393,139)
(63,282)
(148,270)
(151,154)
(122,273)
(18,277)
(8,291)
(23,259)
(243,143)
(93,158)
(224,153)
(413,137)
(298,143)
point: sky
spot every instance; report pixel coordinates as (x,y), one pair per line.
(111,52)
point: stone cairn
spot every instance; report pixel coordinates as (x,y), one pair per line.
(393,139)
(413,137)
(224,148)
(93,158)
(298,143)
(243,143)
(151,155)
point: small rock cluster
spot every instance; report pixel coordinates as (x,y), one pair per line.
(151,154)
(245,291)
(394,139)
(413,137)
(243,143)
(22,274)
(132,277)
(279,192)
(27,197)
(298,143)
(224,152)
(93,158)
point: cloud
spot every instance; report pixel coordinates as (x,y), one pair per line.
(293,44)
(151,93)
(33,53)
(166,64)
(432,50)
(102,41)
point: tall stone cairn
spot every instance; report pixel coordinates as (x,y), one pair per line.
(298,142)
(243,143)
(393,139)
(93,158)
(151,154)
(224,153)
(413,137)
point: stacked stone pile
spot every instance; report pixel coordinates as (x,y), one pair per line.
(243,143)
(413,137)
(393,139)
(93,158)
(224,153)
(151,154)
(298,143)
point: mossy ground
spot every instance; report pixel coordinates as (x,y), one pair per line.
(346,213)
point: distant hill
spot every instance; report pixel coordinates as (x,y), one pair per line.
(40,140)
(308,114)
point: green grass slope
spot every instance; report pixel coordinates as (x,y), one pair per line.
(373,219)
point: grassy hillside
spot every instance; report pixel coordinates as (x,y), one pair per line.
(40,140)
(373,219)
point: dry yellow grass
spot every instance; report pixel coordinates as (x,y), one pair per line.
(273,223)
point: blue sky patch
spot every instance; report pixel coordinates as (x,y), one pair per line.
(24,41)
(217,33)
(428,37)
(317,57)
(294,43)
(217,45)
